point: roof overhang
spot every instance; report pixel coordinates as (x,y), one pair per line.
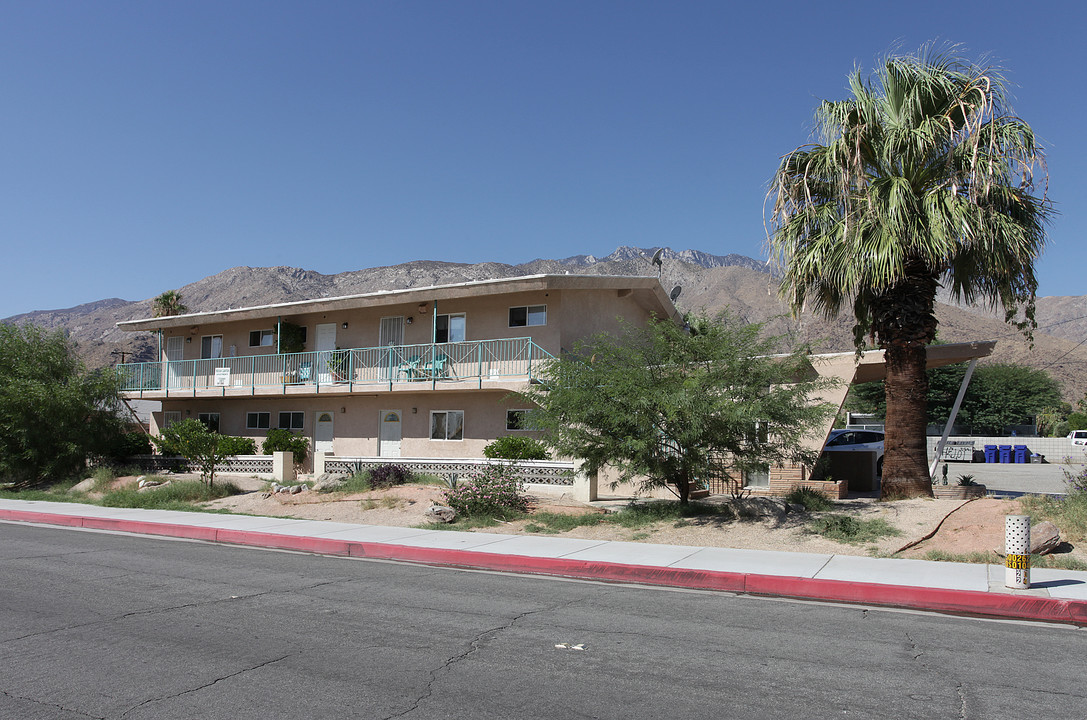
(871,366)
(648,291)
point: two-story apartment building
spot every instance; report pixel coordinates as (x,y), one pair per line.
(423,372)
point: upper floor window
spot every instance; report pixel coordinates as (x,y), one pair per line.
(528,315)
(262,338)
(449,328)
(211,346)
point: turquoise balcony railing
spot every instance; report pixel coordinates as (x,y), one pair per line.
(415,364)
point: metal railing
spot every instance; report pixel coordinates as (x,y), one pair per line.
(415,364)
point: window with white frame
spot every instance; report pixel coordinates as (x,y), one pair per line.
(449,328)
(517,420)
(759,477)
(211,346)
(262,338)
(258,420)
(292,420)
(528,315)
(447,425)
(210,420)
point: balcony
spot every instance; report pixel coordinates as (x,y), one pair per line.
(460,365)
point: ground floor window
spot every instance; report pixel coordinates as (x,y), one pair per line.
(447,425)
(170,417)
(292,420)
(757,478)
(211,420)
(517,420)
(258,420)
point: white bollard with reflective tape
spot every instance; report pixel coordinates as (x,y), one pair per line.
(1017,547)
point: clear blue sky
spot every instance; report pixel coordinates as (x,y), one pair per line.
(144,145)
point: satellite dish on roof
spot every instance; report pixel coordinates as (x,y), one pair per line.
(675,292)
(657,261)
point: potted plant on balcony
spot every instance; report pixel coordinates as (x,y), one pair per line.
(339,364)
(291,341)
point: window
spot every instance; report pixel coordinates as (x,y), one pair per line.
(447,425)
(211,420)
(292,420)
(517,420)
(449,328)
(211,346)
(170,417)
(757,478)
(262,338)
(528,315)
(257,420)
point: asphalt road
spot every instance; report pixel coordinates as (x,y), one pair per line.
(97,625)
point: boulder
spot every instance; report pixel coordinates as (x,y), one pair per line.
(84,485)
(441,513)
(1044,538)
(295,489)
(328,482)
(760,507)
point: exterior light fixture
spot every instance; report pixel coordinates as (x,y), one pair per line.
(345,326)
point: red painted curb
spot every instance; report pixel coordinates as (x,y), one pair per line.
(957,602)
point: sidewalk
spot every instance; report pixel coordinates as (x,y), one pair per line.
(957,588)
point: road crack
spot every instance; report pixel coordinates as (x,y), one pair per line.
(51,705)
(205,685)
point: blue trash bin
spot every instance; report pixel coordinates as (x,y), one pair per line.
(990,454)
(1005,453)
(1022,454)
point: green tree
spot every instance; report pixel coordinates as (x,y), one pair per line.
(923,177)
(191,439)
(666,407)
(54,414)
(167,304)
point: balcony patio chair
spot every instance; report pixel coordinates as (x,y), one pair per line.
(304,372)
(410,368)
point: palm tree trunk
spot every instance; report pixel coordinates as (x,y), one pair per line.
(905,459)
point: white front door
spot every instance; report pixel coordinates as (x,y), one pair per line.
(326,341)
(389,438)
(390,334)
(322,432)
(175,353)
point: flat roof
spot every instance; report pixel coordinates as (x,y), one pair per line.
(871,365)
(650,287)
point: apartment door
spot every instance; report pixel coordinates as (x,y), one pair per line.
(389,434)
(326,341)
(390,334)
(323,432)
(175,353)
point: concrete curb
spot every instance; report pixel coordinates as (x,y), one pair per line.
(955,602)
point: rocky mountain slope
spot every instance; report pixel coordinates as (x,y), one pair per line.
(709,283)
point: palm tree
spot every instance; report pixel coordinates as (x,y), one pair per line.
(924,179)
(168,303)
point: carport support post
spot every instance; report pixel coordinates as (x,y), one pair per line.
(1017,549)
(951,418)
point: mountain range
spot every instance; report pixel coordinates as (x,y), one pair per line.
(710,283)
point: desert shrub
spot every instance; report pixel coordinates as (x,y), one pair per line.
(848,529)
(281,440)
(495,492)
(811,499)
(122,445)
(230,445)
(177,495)
(384,476)
(512,447)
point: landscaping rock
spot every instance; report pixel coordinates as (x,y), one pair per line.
(328,482)
(441,513)
(1044,538)
(295,489)
(760,507)
(84,485)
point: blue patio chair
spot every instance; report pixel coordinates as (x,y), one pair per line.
(304,372)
